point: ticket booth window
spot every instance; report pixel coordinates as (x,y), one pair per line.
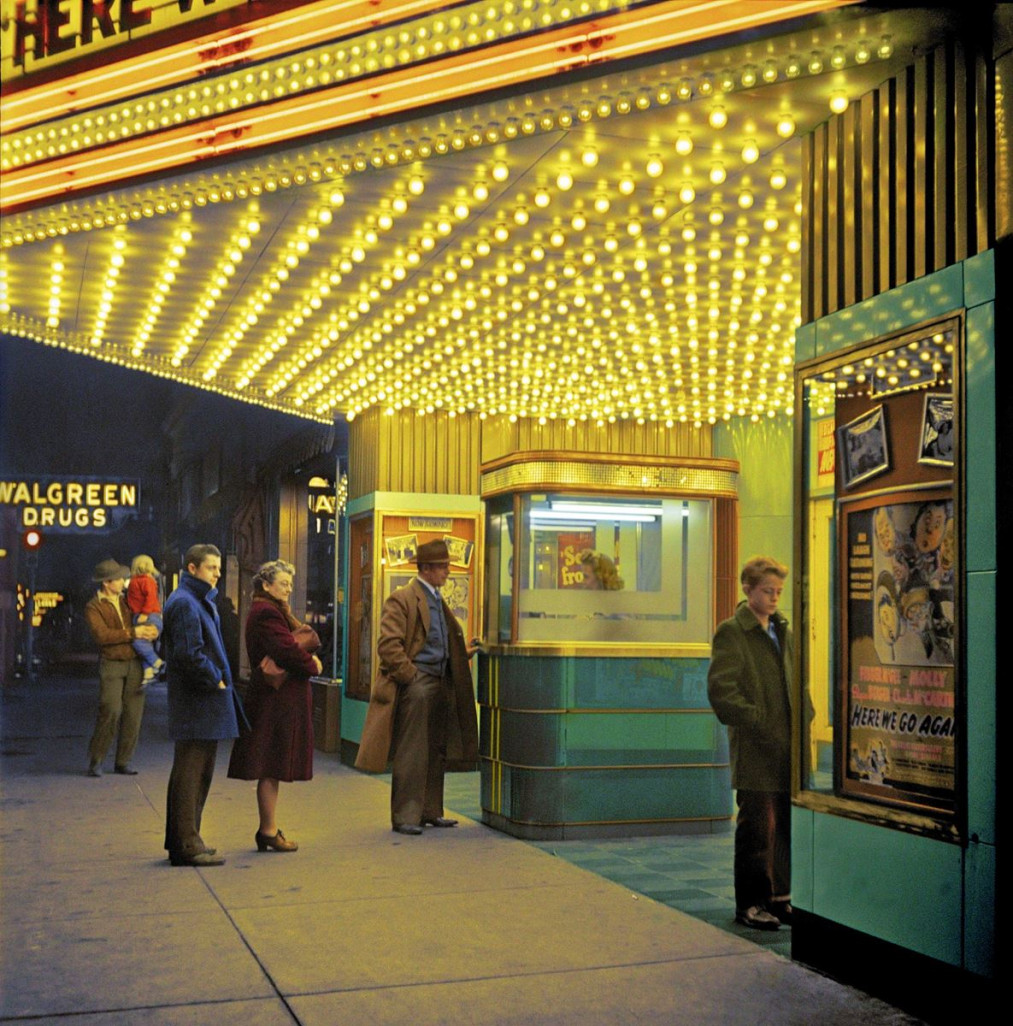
(593,569)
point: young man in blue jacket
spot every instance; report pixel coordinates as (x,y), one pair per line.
(203,705)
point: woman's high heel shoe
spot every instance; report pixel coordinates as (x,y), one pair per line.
(279,842)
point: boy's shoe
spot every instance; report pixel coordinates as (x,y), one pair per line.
(758,918)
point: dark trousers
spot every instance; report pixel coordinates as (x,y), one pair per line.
(120,708)
(193,767)
(762,848)
(420,750)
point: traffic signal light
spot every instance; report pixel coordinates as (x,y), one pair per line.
(31,539)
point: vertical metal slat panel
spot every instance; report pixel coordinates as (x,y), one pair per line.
(819,218)
(868,194)
(902,160)
(941,160)
(920,199)
(963,184)
(834,226)
(808,218)
(886,172)
(993,215)
(849,147)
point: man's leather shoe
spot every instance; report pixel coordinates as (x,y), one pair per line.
(440,821)
(125,770)
(757,917)
(406,828)
(201,858)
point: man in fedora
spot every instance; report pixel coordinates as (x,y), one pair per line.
(422,703)
(121,697)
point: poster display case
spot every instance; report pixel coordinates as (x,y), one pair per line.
(879,444)
(382,548)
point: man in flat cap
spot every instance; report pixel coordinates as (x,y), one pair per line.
(422,703)
(121,697)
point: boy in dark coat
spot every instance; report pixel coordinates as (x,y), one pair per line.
(749,685)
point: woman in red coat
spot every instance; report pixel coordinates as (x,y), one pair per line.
(279,745)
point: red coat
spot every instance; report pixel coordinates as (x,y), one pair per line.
(142,594)
(279,744)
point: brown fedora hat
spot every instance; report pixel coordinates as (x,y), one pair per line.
(432,552)
(110,570)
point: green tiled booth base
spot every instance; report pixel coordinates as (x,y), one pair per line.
(613,738)
(582,802)
(594,746)
(586,682)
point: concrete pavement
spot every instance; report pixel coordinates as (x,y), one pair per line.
(360,926)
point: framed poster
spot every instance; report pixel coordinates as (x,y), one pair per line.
(862,447)
(936,447)
(898,653)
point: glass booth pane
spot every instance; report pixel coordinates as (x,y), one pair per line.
(635,571)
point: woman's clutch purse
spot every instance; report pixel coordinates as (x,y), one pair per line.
(307,639)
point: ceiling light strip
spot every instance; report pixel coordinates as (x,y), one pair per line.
(273,36)
(463,75)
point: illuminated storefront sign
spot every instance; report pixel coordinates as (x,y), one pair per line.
(71,504)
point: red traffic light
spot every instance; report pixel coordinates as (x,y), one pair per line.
(31,539)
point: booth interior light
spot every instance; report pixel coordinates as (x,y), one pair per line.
(591,516)
(605,510)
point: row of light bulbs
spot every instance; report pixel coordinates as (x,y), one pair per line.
(231,91)
(602,279)
(171,199)
(198,195)
(919,364)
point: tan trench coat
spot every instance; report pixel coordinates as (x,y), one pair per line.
(404,624)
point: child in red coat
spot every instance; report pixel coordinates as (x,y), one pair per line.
(142,599)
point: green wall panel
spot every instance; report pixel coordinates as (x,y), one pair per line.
(981,706)
(979,909)
(805,342)
(802,858)
(979,279)
(979,441)
(764,451)
(932,296)
(897,886)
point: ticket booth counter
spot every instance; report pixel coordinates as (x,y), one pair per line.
(604,581)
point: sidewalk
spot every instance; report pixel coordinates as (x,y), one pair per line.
(361,926)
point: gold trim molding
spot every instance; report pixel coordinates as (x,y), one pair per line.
(537,471)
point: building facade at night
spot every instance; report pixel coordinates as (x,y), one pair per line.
(611,296)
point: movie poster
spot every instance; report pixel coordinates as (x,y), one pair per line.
(900,708)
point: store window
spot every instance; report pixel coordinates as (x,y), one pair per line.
(588,569)
(882,598)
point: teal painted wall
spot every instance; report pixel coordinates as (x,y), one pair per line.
(764,452)
(926,895)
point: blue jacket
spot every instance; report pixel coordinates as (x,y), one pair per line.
(195,660)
